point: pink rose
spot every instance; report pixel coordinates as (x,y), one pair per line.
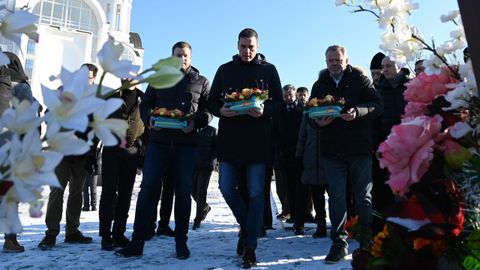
(408,150)
(423,89)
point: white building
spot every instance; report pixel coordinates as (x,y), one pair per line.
(71,33)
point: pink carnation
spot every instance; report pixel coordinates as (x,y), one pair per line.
(424,88)
(414,109)
(408,150)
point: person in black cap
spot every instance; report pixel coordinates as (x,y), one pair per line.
(376,68)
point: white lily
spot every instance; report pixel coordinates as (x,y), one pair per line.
(70,80)
(109,59)
(67,144)
(70,107)
(13,25)
(459,130)
(22,116)
(458,97)
(30,167)
(450,16)
(106,128)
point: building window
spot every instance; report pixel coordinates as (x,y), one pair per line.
(108,12)
(69,14)
(118,17)
(31,47)
(29,67)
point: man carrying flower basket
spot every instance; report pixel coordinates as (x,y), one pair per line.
(170,146)
(346,143)
(244,139)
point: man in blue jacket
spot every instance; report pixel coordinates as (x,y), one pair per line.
(175,148)
(244,140)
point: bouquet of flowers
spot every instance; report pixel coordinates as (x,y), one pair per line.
(164,118)
(248,98)
(328,106)
(432,156)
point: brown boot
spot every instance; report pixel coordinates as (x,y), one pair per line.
(11,244)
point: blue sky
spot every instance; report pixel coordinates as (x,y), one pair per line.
(293,35)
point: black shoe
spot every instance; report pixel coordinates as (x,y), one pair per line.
(196,224)
(94,208)
(299,230)
(120,240)
(263,233)
(321,231)
(337,253)
(289,220)
(182,251)
(205,212)
(85,209)
(283,216)
(47,242)
(78,238)
(249,258)
(310,219)
(240,246)
(131,250)
(150,235)
(165,231)
(107,243)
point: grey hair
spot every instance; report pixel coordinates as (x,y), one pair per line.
(335,48)
(288,87)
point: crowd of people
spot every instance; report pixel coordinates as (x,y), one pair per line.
(307,157)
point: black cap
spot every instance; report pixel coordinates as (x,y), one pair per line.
(376,62)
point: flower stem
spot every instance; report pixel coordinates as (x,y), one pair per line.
(99,87)
(434,51)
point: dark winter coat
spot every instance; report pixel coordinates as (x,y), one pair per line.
(394,105)
(286,125)
(349,137)
(207,153)
(131,114)
(308,150)
(190,96)
(245,139)
(5,88)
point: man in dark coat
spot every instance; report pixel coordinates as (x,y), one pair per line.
(119,169)
(286,124)
(347,144)
(72,170)
(171,147)
(244,140)
(205,164)
(390,88)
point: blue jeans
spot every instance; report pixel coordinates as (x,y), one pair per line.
(338,171)
(250,218)
(181,159)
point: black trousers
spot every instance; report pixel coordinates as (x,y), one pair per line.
(164,196)
(119,169)
(301,201)
(200,188)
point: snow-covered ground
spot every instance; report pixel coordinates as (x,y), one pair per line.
(212,246)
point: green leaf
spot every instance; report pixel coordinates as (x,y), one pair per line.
(166,77)
(171,61)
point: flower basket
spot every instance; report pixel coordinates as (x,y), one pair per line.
(249,98)
(165,122)
(242,106)
(328,106)
(164,118)
(321,111)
